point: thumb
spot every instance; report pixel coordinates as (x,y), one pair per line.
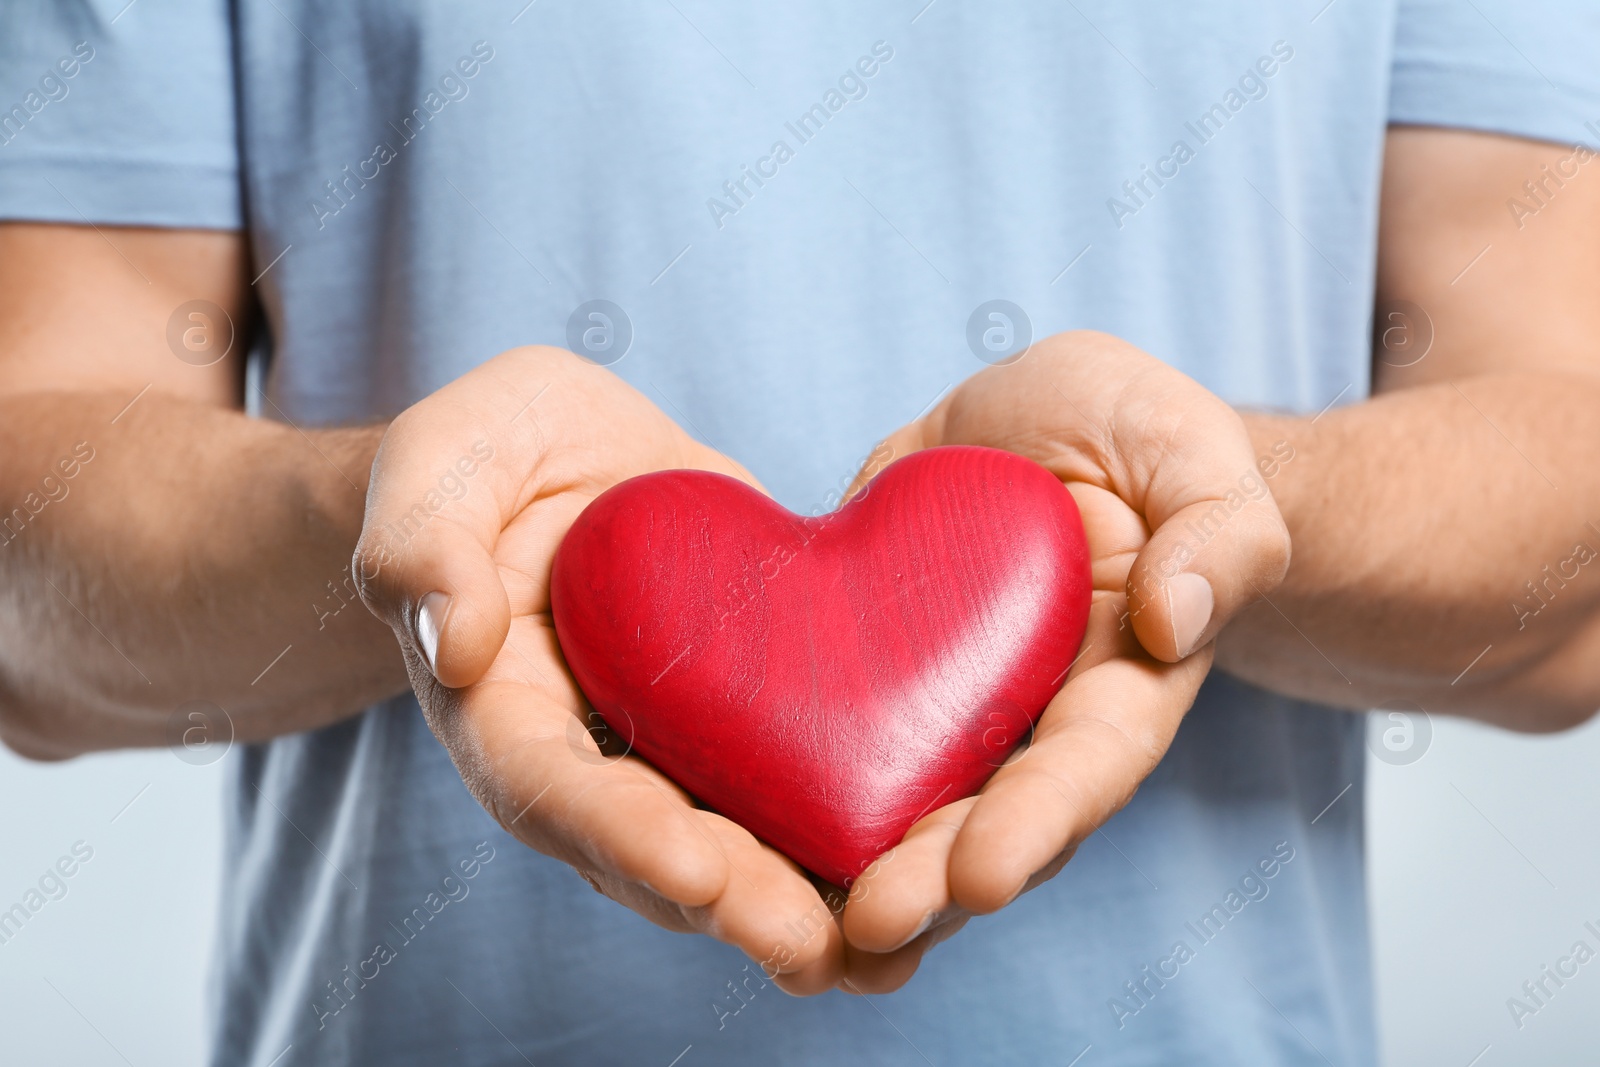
(425,563)
(1220,548)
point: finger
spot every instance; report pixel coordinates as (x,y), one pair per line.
(641,843)
(1098,739)
(1218,543)
(425,561)
(629,826)
(770,910)
(870,973)
(818,977)
(1115,532)
(906,892)
(823,973)
(522,748)
(1093,408)
(767,933)
(454,470)
(519,740)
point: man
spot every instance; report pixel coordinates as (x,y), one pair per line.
(775,237)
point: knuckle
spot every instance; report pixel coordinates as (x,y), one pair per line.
(17,738)
(487,789)
(1273,548)
(31,730)
(372,568)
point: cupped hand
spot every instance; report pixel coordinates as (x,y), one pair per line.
(472,490)
(1183,534)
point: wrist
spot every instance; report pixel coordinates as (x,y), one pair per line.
(335,480)
(1283,446)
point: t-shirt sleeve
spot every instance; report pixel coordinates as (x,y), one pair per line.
(118,113)
(1529,68)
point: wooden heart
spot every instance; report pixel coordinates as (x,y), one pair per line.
(825,682)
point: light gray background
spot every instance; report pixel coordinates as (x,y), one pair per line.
(1483,870)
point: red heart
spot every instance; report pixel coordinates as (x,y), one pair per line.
(825,682)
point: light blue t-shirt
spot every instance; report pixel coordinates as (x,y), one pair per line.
(794,212)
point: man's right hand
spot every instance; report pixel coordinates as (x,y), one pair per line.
(472,491)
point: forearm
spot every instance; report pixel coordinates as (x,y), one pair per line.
(1442,553)
(181,552)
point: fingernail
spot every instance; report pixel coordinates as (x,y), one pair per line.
(922,928)
(1189,601)
(430,621)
